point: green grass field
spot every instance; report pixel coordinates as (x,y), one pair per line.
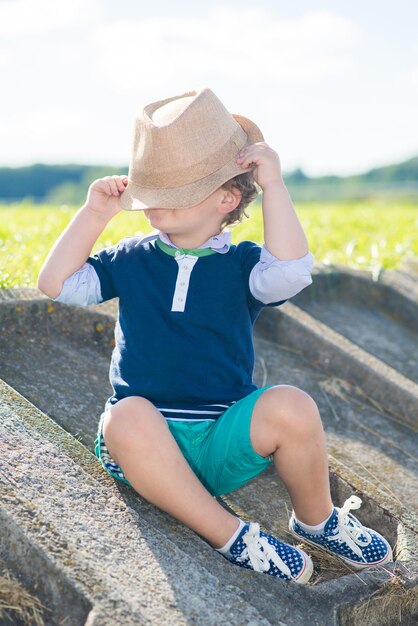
(371,235)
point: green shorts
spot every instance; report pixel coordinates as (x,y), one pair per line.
(219,452)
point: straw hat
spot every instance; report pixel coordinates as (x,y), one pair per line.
(184,148)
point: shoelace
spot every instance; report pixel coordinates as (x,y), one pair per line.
(260,552)
(350,528)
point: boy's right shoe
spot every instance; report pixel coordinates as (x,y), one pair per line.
(260,552)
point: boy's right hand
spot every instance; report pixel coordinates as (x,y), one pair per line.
(103,196)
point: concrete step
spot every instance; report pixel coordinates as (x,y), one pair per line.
(381,317)
(57,357)
(94,552)
(71,384)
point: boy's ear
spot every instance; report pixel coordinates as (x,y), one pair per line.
(230,200)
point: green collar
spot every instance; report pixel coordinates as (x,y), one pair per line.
(192,251)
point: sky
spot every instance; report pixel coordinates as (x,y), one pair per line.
(333,85)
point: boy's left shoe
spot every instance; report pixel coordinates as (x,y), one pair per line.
(345,537)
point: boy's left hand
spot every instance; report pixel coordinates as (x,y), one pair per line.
(266,161)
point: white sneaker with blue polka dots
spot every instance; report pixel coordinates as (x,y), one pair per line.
(260,552)
(347,538)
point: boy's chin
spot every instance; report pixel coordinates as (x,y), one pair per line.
(155,215)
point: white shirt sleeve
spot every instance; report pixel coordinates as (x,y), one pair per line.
(272,280)
(81,288)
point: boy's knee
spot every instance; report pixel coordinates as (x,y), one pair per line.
(132,406)
(292,408)
(131,420)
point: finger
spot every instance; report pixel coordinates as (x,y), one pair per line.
(121,182)
(241,156)
(114,191)
(247,160)
(254,149)
(108,187)
(246,155)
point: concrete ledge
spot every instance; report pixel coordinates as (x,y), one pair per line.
(56,495)
(124,560)
(391,292)
(76,538)
(31,564)
(71,348)
(333,352)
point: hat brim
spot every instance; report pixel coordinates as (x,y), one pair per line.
(137,198)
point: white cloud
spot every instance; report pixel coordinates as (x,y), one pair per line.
(27,17)
(252,45)
(413,77)
(43,128)
(76,71)
(6,58)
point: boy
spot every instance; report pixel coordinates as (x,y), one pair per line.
(185,422)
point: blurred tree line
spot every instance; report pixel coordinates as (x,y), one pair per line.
(54,184)
(68,184)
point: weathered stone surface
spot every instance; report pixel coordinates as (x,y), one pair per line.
(58,357)
(389,390)
(97,553)
(101,544)
(379,317)
(90,539)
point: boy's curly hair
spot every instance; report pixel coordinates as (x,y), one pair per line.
(246,185)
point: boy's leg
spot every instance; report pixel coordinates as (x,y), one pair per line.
(286,423)
(139,440)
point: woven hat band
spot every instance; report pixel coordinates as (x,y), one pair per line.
(168,175)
